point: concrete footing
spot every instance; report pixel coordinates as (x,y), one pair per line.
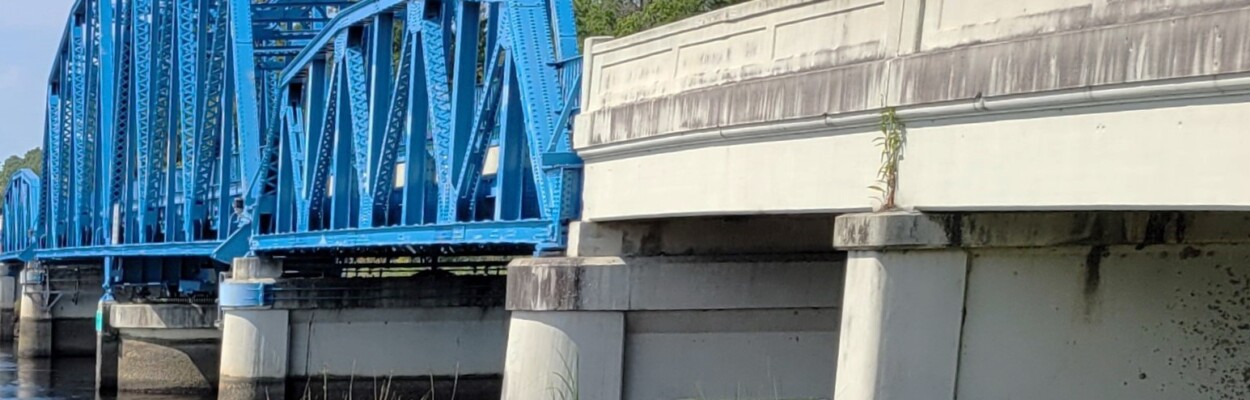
(165,348)
(757,326)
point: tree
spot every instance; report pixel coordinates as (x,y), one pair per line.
(33,159)
(624,17)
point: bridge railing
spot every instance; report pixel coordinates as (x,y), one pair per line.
(425,126)
(727,73)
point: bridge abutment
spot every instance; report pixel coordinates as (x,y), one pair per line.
(363,336)
(1114,305)
(58,309)
(704,323)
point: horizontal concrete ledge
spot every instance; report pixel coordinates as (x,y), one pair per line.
(911,230)
(830,124)
(162,316)
(675,283)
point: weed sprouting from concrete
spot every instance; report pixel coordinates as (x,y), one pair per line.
(568,380)
(891,142)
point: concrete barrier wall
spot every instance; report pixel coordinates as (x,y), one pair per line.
(401,343)
(770,60)
(1161,322)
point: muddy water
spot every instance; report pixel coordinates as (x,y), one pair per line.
(56,379)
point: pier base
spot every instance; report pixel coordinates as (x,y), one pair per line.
(166,348)
(58,309)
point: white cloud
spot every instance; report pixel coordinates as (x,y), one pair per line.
(10,77)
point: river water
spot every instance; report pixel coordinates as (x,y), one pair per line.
(56,379)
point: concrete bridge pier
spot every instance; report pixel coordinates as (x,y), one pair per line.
(58,309)
(746,308)
(158,349)
(1107,305)
(9,293)
(290,337)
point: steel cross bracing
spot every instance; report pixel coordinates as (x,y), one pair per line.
(179,129)
(426,126)
(19,225)
(155,110)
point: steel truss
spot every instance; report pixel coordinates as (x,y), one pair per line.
(190,130)
(426,125)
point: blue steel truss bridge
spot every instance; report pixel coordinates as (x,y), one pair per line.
(181,134)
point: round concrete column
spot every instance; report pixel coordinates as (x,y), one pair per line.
(562,351)
(35,324)
(254,351)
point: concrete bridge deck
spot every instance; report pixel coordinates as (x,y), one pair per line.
(771,107)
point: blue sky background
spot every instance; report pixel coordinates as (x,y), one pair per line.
(30,31)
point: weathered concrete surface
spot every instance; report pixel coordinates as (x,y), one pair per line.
(675,283)
(165,348)
(58,319)
(545,346)
(9,293)
(699,236)
(405,347)
(255,346)
(1100,304)
(163,316)
(169,361)
(770,107)
(664,327)
(777,60)
(902,230)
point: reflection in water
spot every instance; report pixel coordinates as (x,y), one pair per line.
(59,379)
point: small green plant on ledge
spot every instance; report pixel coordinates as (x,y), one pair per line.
(891,142)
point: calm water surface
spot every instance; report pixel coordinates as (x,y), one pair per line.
(62,378)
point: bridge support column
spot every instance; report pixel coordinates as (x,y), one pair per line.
(34,325)
(255,338)
(162,348)
(58,310)
(107,346)
(656,327)
(1105,305)
(9,293)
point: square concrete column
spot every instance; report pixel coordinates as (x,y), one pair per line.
(901,321)
(902,310)
(35,322)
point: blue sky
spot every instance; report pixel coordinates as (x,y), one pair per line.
(29,34)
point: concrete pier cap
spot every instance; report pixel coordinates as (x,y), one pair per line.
(922,230)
